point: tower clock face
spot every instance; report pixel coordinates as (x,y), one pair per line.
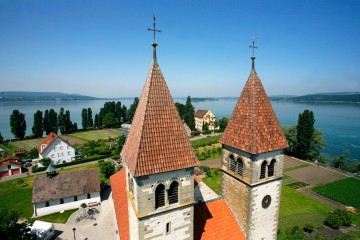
(266,201)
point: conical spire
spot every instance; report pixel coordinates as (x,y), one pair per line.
(157,140)
(253,126)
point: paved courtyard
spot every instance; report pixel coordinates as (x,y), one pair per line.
(104,226)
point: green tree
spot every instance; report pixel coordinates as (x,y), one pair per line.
(46,123)
(118,112)
(84,118)
(110,119)
(181,109)
(18,124)
(205,127)
(290,134)
(33,153)
(53,121)
(11,229)
(222,123)
(90,121)
(189,117)
(107,168)
(97,122)
(305,132)
(132,109)
(124,113)
(1,139)
(295,233)
(45,161)
(37,128)
(65,124)
(120,144)
(341,161)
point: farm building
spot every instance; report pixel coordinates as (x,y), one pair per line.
(64,191)
(57,149)
(10,166)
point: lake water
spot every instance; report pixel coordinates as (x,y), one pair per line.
(338,122)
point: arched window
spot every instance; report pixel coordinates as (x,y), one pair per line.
(263,170)
(240,167)
(47,204)
(271,168)
(61,201)
(173,193)
(160,196)
(232,163)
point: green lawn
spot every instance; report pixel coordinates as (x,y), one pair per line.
(297,209)
(58,217)
(17,197)
(26,144)
(95,134)
(206,141)
(345,191)
(214,181)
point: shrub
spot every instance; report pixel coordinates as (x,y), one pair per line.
(107,168)
(34,168)
(309,228)
(45,161)
(205,168)
(295,233)
(338,218)
(83,205)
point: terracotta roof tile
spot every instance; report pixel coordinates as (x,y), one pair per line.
(215,221)
(47,141)
(118,187)
(200,113)
(157,140)
(253,126)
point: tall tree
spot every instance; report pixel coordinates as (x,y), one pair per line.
(189,115)
(53,121)
(11,229)
(61,121)
(37,128)
(84,118)
(96,122)
(46,123)
(124,113)
(90,121)
(1,139)
(110,119)
(118,112)
(222,123)
(305,132)
(132,109)
(181,109)
(18,124)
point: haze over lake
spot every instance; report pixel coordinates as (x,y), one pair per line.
(338,122)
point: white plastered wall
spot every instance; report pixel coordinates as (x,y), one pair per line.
(59,151)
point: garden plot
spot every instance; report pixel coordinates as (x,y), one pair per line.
(314,175)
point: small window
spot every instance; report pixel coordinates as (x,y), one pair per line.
(75,198)
(240,167)
(61,148)
(52,155)
(61,201)
(69,153)
(173,193)
(58,154)
(88,196)
(160,196)
(263,170)
(271,168)
(55,148)
(168,228)
(232,163)
(47,204)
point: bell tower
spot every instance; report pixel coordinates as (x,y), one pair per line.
(159,162)
(252,161)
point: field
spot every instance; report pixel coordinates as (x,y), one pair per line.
(214,181)
(26,144)
(297,209)
(95,134)
(57,217)
(205,141)
(345,191)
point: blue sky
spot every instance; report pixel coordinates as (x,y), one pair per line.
(102,48)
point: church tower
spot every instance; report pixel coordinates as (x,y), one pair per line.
(252,161)
(159,162)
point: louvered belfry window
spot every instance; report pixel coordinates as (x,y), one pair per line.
(232,163)
(263,170)
(240,167)
(173,193)
(160,196)
(271,168)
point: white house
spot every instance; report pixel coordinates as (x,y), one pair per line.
(202,117)
(57,149)
(10,166)
(64,191)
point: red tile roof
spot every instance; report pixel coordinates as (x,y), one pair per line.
(119,194)
(12,162)
(215,221)
(47,141)
(253,126)
(200,113)
(157,140)
(12,158)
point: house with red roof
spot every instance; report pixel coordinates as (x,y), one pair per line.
(10,166)
(56,148)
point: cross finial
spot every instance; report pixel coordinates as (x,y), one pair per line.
(154,29)
(253,46)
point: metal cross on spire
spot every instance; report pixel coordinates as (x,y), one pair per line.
(253,46)
(154,29)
